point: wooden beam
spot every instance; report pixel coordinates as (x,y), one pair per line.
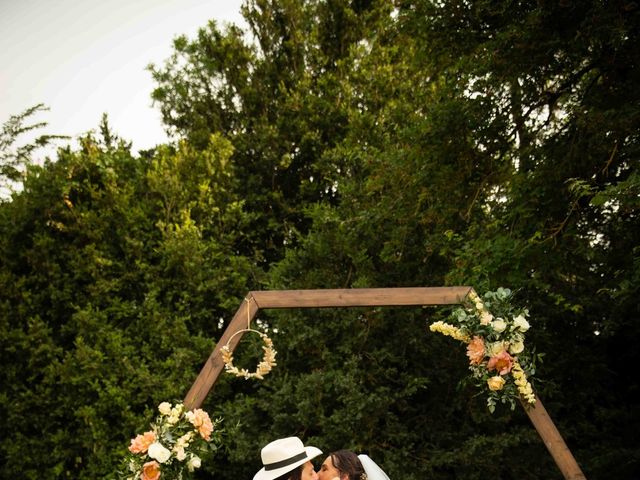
(214,364)
(553,441)
(361,297)
(357,297)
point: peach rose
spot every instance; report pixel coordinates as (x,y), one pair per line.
(496,383)
(475,351)
(502,362)
(485,318)
(141,443)
(200,419)
(150,471)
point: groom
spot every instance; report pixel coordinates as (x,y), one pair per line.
(287,459)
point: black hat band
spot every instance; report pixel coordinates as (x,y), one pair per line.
(286,462)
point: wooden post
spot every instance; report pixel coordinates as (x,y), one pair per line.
(553,441)
(214,364)
(364,297)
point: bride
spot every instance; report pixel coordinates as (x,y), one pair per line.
(346,465)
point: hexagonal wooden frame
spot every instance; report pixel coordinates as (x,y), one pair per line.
(364,297)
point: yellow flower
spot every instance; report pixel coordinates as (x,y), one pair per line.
(227,357)
(516,347)
(499,325)
(524,387)
(449,330)
(174,414)
(495,348)
(185,439)
(473,296)
(496,383)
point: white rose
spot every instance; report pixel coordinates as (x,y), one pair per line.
(516,347)
(499,325)
(521,323)
(194,462)
(158,452)
(164,408)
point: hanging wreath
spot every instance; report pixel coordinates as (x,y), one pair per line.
(264,367)
(493,330)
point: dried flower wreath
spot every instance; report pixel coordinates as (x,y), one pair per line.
(268,359)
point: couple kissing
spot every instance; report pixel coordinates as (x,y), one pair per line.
(288,459)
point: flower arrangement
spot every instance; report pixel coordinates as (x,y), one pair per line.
(493,330)
(264,367)
(172,449)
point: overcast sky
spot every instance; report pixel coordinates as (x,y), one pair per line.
(82,58)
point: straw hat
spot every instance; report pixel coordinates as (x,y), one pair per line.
(284,455)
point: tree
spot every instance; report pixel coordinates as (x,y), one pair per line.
(277,97)
(488,144)
(14,157)
(115,271)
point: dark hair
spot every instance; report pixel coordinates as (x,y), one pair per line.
(345,461)
(295,474)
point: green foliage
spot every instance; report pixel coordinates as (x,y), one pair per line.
(115,272)
(278,97)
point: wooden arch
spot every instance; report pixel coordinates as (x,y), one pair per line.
(364,297)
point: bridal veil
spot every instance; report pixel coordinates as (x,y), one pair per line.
(371,468)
